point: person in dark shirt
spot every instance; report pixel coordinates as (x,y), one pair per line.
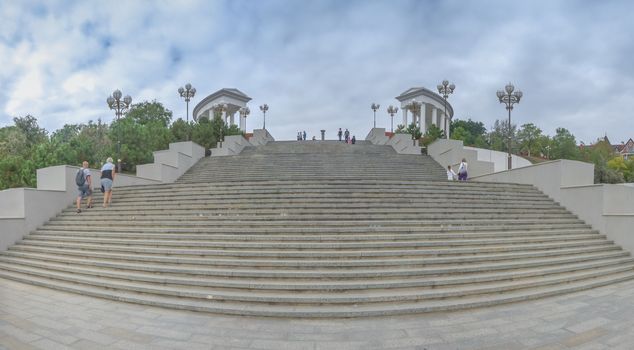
(107,179)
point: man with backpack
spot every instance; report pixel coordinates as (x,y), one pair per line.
(83,180)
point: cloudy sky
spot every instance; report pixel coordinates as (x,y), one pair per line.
(319,64)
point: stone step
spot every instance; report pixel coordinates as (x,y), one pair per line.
(256,172)
(338,194)
(293,210)
(344,270)
(336,184)
(283,223)
(97,218)
(187,277)
(429,256)
(118,204)
(496,244)
(541,236)
(303,301)
(321,230)
(223,307)
(323,252)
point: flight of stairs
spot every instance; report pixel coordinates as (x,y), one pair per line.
(319,229)
(293,160)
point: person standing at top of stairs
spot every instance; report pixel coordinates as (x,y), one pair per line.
(346,135)
(340,133)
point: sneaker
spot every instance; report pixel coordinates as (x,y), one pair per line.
(78,211)
(89,206)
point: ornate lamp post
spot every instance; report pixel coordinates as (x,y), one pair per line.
(222,108)
(187,93)
(244,112)
(391,110)
(119,107)
(414,107)
(446,89)
(509,98)
(264,108)
(374,107)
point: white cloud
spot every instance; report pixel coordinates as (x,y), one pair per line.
(320,65)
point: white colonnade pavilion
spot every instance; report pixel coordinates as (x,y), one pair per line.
(432,109)
(227,101)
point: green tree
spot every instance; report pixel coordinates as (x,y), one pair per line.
(623,166)
(604,174)
(146,113)
(13,141)
(31,130)
(545,146)
(499,136)
(528,137)
(411,129)
(432,134)
(472,132)
(564,145)
(12,172)
(208,132)
(181,130)
(460,133)
(143,130)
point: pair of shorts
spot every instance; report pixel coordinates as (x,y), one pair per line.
(106,184)
(84,191)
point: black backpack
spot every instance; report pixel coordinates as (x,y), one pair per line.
(80,179)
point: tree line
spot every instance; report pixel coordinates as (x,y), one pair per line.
(147,127)
(529,141)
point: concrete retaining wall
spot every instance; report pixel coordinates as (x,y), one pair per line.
(377,136)
(24,209)
(402,143)
(608,208)
(261,137)
(481,161)
(234,144)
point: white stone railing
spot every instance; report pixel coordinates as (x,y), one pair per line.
(451,152)
(261,137)
(481,161)
(234,144)
(402,143)
(24,209)
(377,136)
(170,164)
(608,208)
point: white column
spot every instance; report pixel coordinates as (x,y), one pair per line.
(232,120)
(434,116)
(243,123)
(404,116)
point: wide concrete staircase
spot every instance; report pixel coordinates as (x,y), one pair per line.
(295,160)
(319,230)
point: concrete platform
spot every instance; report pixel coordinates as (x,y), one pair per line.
(39,318)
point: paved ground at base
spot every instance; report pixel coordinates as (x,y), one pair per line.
(38,318)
